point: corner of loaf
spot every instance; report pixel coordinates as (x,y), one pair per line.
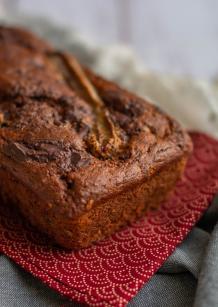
(80,157)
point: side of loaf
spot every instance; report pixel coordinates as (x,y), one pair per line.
(79,156)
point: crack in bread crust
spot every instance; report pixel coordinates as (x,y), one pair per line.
(104,139)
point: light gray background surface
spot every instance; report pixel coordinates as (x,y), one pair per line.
(177,36)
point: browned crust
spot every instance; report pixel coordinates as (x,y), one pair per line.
(62,183)
(99,220)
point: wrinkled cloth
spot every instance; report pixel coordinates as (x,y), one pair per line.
(189,276)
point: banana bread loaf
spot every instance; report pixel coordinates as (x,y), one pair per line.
(79,156)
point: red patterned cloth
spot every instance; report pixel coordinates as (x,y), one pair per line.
(112,272)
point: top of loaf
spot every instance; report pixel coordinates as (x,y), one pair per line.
(83,137)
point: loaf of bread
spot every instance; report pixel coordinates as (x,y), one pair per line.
(79,156)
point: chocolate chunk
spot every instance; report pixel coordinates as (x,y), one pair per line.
(75,158)
(45,151)
(117,103)
(15,151)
